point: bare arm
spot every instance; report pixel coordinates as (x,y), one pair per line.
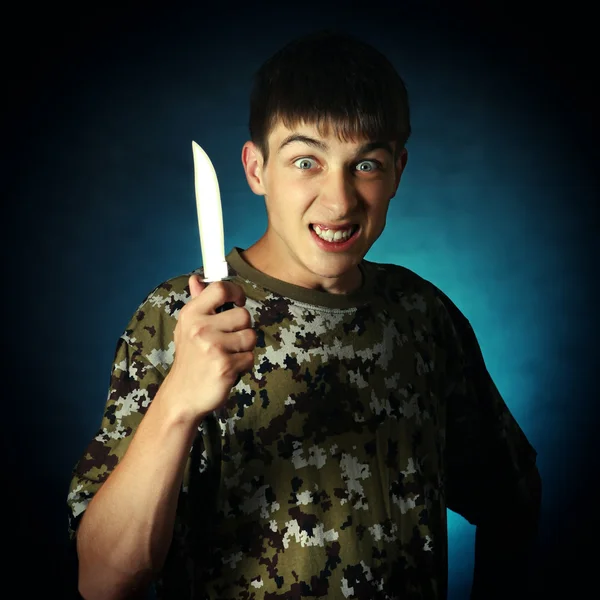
(126,531)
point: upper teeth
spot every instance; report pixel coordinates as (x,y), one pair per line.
(333,236)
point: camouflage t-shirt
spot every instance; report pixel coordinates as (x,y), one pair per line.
(329,470)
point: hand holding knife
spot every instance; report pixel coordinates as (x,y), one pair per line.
(212,351)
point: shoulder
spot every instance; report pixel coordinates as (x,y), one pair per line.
(165,300)
(403,285)
(150,329)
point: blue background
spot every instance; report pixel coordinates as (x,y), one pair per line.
(496,207)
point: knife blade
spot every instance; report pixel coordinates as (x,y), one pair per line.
(210,217)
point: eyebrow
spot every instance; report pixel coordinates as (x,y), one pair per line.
(320,145)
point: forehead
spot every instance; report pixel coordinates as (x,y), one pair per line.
(326,132)
(326,138)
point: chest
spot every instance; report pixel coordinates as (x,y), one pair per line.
(337,424)
(333,380)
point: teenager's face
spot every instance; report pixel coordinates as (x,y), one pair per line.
(326,201)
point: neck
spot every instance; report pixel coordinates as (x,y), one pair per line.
(263,258)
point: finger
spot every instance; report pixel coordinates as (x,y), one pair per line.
(243,362)
(234,319)
(222,292)
(196,286)
(231,342)
(242,342)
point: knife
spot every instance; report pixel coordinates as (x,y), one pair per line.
(210,219)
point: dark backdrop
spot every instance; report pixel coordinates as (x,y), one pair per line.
(497,207)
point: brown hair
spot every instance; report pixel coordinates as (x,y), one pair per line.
(330,78)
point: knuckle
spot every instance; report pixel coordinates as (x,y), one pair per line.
(247,318)
(184,312)
(250,337)
(244,321)
(220,291)
(212,348)
(236,291)
(199,330)
(249,362)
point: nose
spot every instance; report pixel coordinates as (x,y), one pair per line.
(338,194)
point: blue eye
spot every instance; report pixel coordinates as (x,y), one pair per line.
(371,166)
(303,163)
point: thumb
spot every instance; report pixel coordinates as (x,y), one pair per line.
(196,286)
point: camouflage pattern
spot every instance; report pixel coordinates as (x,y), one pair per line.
(329,470)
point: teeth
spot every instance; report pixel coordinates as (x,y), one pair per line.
(333,236)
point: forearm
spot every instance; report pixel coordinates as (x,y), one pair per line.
(126,530)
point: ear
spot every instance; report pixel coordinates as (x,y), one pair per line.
(252,160)
(400,165)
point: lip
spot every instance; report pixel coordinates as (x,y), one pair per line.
(335,246)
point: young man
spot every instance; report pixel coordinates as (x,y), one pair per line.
(307,442)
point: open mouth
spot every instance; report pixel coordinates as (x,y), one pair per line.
(334,235)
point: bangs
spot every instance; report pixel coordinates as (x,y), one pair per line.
(347,128)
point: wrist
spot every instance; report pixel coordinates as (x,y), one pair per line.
(174,416)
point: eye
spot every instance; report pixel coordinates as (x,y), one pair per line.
(304,164)
(366,166)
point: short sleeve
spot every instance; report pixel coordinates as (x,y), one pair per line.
(133,384)
(487,453)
